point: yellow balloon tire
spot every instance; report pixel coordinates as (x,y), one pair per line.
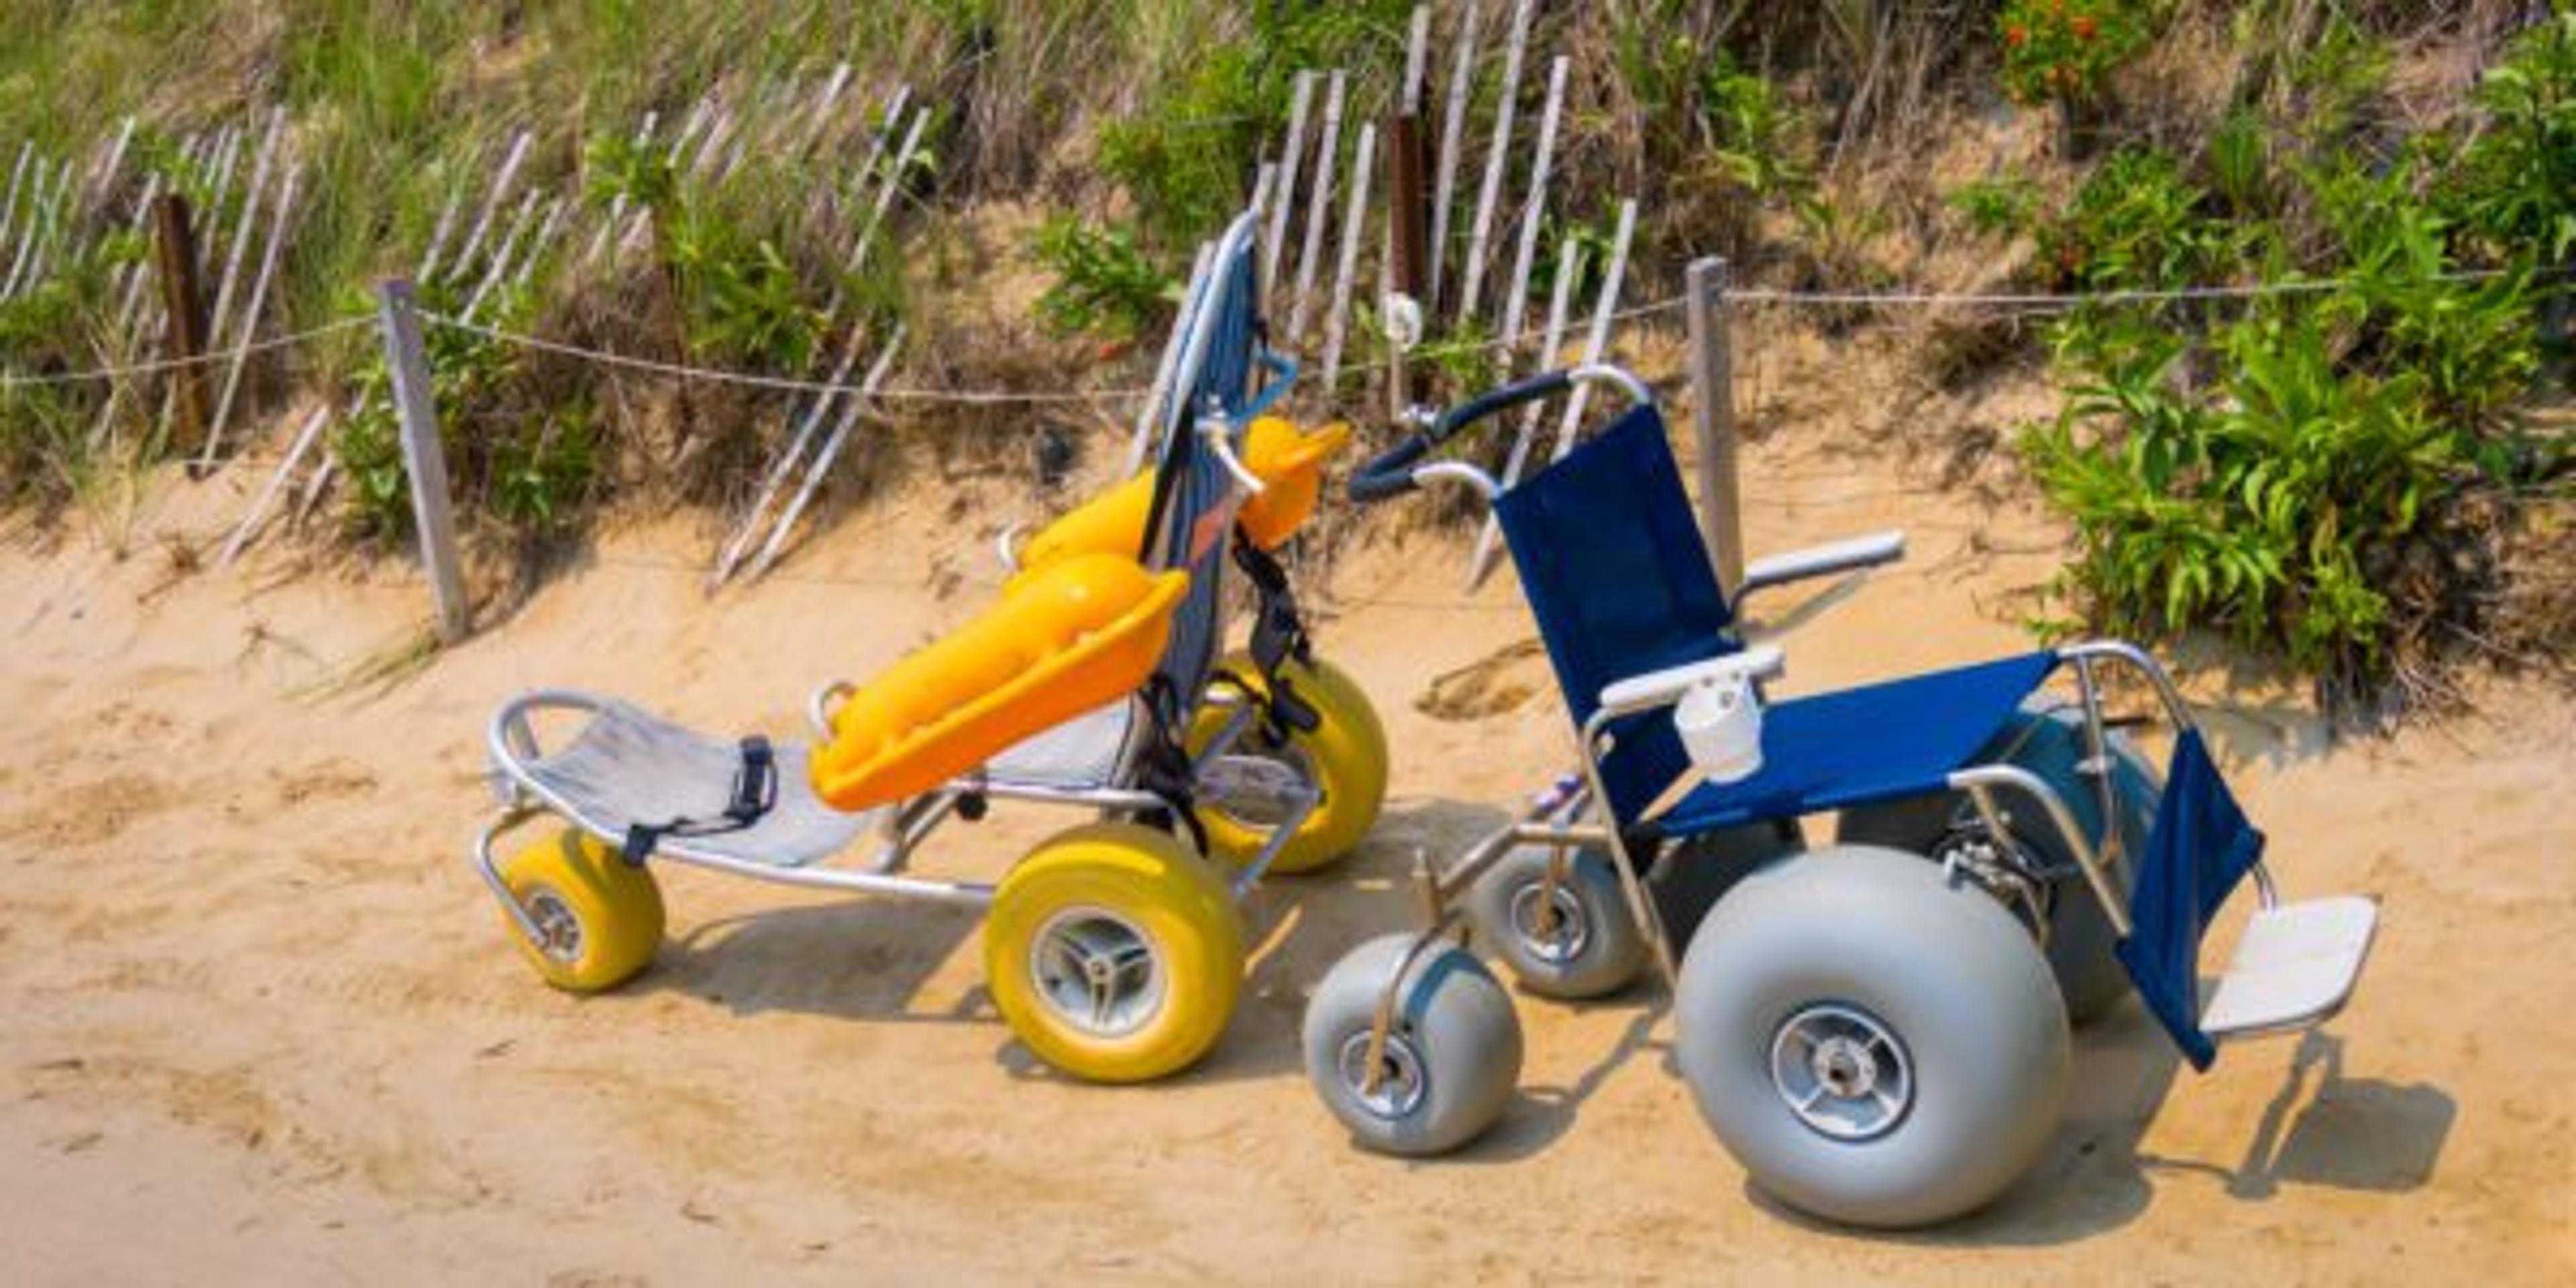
(613,910)
(1122,879)
(1346,752)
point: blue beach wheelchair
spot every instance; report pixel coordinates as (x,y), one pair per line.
(1878,1029)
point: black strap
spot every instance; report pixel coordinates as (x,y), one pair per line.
(1163,767)
(755,793)
(1278,635)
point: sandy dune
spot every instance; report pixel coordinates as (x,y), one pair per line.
(263,1024)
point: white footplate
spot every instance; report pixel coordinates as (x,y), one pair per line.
(2294,967)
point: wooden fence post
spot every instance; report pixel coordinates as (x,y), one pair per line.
(424,459)
(1406,205)
(1721,516)
(175,249)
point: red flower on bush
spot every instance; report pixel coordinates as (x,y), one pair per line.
(2052,52)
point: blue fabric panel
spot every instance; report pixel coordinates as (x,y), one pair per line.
(1620,583)
(2200,848)
(1203,501)
(1874,743)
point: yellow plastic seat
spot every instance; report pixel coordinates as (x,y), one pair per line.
(1062,640)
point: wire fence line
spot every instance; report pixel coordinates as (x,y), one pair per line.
(207,359)
(2030,303)
(779,384)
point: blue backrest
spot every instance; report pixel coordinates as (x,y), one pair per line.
(1196,499)
(1621,584)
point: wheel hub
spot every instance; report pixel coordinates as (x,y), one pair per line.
(1097,971)
(558,930)
(1402,1081)
(1842,1072)
(1259,787)
(1560,942)
(1844,1067)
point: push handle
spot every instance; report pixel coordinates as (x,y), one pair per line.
(1389,474)
(1546,384)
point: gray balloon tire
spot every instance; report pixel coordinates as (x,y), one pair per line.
(1943,967)
(1613,951)
(2080,937)
(1458,1024)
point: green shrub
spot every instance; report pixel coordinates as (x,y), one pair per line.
(2517,180)
(1104,284)
(1757,139)
(2139,224)
(1211,103)
(2262,510)
(2002,207)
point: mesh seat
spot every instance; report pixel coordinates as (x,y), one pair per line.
(628,767)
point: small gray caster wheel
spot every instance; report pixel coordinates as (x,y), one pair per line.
(1876,1045)
(1577,941)
(1450,1061)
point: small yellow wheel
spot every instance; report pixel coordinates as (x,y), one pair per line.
(1345,756)
(600,918)
(1114,953)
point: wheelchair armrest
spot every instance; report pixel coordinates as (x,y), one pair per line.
(1665,687)
(1827,560)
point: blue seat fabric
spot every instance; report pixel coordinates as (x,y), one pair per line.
(2200,847)
(1621,584)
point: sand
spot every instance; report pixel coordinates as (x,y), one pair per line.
(262,1024)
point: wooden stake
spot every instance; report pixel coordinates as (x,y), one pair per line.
(1453,140)
(803,437)
(823,105)
(243,227)
(1354,216)
(440,232)
(249,328)
(268,493)
(1604,312)
(31,235)
(616,218)
(1534,211)
(886,191)
(424,457)
(175,248)
(1721,513)
(1417,59)
(1569,266)
(545,240)
(1265,179)
(17,183)
(500,192)
(504,255)
(104,179)
(1406,255)
(1292,157)
(831,452)
(1497,159)
(1319,206)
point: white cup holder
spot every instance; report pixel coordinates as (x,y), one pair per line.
(1720,722)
